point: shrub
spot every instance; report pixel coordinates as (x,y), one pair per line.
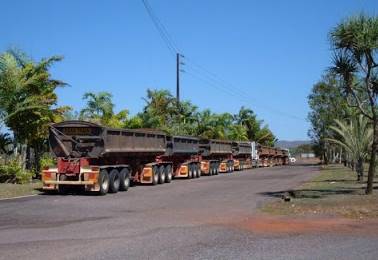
(46,161)
(12,172)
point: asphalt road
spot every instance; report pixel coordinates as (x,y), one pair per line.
(186,219)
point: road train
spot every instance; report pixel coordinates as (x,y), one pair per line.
(102,159)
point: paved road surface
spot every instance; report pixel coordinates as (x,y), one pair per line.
(187,219)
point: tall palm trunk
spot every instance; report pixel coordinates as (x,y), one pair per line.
(360,169)
(372,163)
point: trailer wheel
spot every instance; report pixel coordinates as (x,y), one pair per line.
(190,171)
(211,169)
(62,189)
(215,169)
(198,169)
(155,175)
(114,181)
(124,179)
(168,173)
(161,174)
(195,172)
(103,182)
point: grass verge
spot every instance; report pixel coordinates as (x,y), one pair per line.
(334,192)
(8,190)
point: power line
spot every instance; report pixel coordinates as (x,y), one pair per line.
(161,29)
(202,73)
(241,98)
(214,76)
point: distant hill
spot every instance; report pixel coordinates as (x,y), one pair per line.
(291,144)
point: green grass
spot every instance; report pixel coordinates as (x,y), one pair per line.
(333,192)
(8,190)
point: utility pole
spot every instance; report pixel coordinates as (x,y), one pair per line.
(178,79)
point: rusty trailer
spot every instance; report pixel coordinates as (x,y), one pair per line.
(216,156)
(183,154)
(104,159)
(242,155)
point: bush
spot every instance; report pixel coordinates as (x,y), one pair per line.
(12,172)
(46,161)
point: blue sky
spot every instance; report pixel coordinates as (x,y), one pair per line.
(269,53)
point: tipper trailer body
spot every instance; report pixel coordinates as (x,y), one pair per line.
(242,155)
(183,153)
(216,156)
(104,159)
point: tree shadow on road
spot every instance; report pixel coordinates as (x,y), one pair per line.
(311,193)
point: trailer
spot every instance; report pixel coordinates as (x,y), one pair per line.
(242,155)
(285,156)
(264,155)
(278,157)
(216,156)
(184,155)
(255,155)
(104,159)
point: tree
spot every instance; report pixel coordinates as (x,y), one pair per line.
(356,138)
(99,107)
(265,136)
(355,41)
(326,103)
(247,118)
(238,133)
(159,109)
(28,102)
(162,112)
(134,122)
(118,120)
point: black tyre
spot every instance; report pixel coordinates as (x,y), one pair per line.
(161,175)
(124,176)
(62,189)
(198,168)
(190,171)
(194,170)
(168,173)
(215,170)
(103,182)
(155,175)
(114,181)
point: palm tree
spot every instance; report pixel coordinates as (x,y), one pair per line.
(238,133)
(27,99)
(159,109)
(99,107)
(247,118)
(356,137)
(265,137)
(355,41)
